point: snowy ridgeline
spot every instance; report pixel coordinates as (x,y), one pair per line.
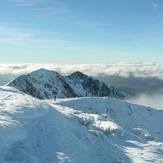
(79,130)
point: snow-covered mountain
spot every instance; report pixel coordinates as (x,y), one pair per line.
(45,84)
(79,130)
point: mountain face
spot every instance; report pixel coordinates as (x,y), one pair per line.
(79,130)
(84,85)
(45,84)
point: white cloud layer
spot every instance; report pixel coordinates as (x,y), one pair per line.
(120,69)
(146,100)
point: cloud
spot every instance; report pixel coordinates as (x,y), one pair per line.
(54,7)
(24,3)
(52,11)
(119,69)
(154,5)
(13,36)
(91,24)
(63,12)
(42,7)
(149,100)
(18,37)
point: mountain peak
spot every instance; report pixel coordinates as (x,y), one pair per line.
(44,71)
(46,84)
(78,74)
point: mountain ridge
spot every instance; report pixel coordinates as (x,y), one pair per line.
(46,84)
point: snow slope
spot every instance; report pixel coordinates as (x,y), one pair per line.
(78,130)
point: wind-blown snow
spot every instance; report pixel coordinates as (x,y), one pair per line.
(79,130)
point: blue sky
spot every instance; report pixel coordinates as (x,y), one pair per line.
(81,31)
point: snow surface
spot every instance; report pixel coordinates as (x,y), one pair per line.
(77,130)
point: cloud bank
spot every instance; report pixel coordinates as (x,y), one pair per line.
(119,69)
(147,100)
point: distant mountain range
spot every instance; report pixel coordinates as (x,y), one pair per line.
(46,84)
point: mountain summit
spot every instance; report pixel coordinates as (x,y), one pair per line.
(46,84)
